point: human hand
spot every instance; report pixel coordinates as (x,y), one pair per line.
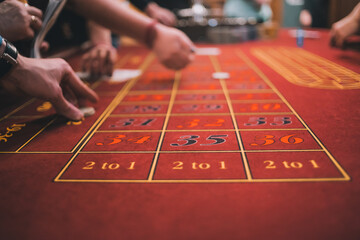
(52,80)
(19,21)
(345,28)
(305,18)
(160,14)
(173,48)
(99,60)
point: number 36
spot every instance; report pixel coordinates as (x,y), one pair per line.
(270,139)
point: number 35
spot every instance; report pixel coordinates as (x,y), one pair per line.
(192,139)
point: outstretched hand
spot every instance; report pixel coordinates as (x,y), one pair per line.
(52,80)
(346,27)
(173,48)
(99,60)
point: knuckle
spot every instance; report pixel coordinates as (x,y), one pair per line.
(31,33)
(63,64)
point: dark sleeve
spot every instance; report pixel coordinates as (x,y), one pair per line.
(140,4)
(319,11)
(315,5)
(307,5)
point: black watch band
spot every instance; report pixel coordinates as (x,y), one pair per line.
(8,59)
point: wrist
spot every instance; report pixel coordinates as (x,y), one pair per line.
(356,13)
(101,41)
(101,44)
(20,64)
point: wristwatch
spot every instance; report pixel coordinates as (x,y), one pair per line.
(9,57)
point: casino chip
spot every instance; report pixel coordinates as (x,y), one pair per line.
(87,111)
(221,75)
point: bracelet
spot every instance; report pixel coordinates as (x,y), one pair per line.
(150,34)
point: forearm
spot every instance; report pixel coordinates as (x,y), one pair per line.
(99,34)
(356,13)
(113,15)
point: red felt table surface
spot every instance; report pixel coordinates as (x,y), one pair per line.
(183,156)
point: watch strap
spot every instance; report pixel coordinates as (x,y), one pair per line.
(8,58)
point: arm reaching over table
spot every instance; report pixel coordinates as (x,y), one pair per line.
(345,27)
(52,80)
(161,14)
(100,59)
(172,47)
(48,79)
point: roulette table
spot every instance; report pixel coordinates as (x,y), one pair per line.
(268,150)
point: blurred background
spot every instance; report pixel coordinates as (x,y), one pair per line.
(228,21)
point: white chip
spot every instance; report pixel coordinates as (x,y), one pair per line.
(207,51)
(87,111)
(221,75)
(123,75)
(83,75)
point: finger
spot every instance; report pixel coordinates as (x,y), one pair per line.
(178,59)
(345,44)
(44,47)
(102,61)
(162,19)
(95,63)
(65,108)
(35,23)
(177,62)
(172,20)
(85,63)
(169,19)
(34,11)
(332,41)
(188,47)
(339,41)
(82,103)
(191,57)
(30,33)
(69,95)
(108,64)
(185,43)
(78,87)
(109,69)
(332,37)
(166,21)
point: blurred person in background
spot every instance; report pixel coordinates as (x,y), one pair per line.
(346,27)
(258,9)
